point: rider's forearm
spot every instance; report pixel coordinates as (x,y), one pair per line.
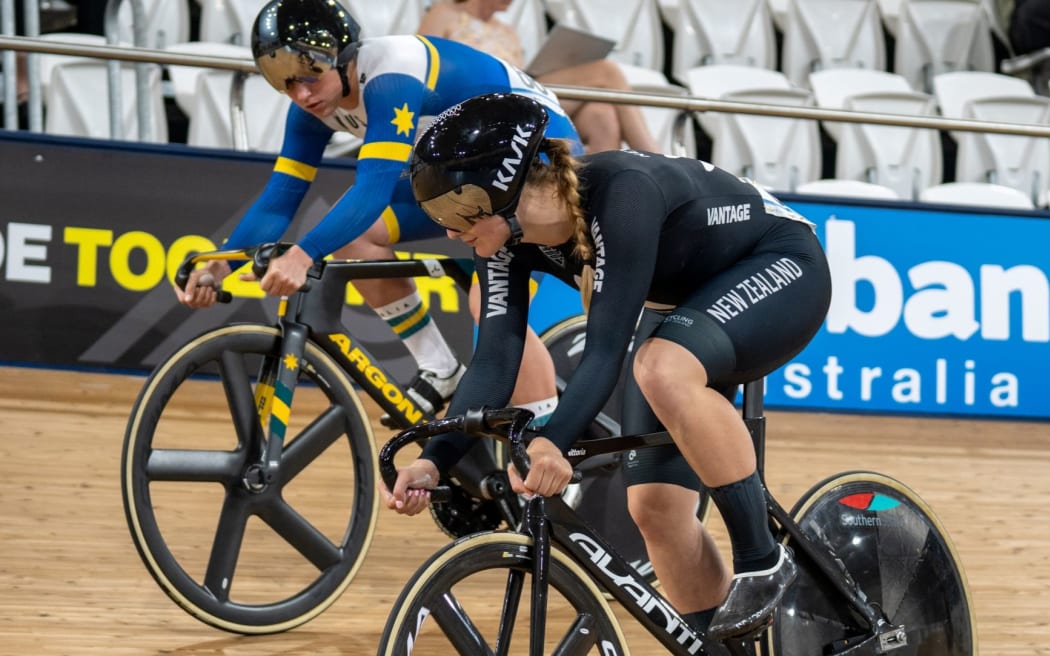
(446,450)
(357,209)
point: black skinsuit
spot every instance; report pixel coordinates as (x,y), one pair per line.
(745,275)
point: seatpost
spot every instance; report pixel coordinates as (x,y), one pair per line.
(755,420)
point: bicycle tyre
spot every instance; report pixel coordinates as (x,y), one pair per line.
(895,548)
(253,535)
(602,496)
(456,586)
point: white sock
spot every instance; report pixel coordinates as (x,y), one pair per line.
(541,411)
(411,322)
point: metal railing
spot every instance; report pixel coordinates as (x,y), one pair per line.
(115,54)
(684,103)
(144,110)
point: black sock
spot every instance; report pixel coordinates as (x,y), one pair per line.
(701,619)
(743,508)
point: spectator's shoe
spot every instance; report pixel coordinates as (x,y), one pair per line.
(752,598)
(429,392)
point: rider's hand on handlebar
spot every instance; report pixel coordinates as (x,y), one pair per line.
(286,274)
(203,285)
(410,495)
(549,471)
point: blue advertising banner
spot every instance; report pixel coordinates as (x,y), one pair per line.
(934,311)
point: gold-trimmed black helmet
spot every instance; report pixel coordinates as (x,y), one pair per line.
(474,158)
(299,40)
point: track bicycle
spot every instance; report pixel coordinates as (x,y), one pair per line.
(262,424)
(878,574)
(601,494)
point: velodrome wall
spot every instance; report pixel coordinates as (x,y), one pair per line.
(936,310)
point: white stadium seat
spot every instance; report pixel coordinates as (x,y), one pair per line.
(823,34)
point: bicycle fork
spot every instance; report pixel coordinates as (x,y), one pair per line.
(273,402)
(536,525)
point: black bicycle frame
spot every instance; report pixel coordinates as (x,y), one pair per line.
(610,570)
(315,314)
(321,310)
(781,521)
(550,521)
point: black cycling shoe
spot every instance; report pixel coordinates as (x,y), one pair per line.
(429,392)
(752,598)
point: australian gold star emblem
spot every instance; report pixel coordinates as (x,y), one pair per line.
(403,119)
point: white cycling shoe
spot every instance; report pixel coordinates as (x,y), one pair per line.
(432,393)
(429,391)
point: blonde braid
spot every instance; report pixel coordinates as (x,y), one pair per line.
(561,172)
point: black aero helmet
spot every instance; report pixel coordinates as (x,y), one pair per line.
(474,158)
(302,39)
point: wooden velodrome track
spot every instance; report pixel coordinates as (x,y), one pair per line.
(71,582)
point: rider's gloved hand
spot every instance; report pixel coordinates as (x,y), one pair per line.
(203,285)
(286,274)
(549,471)
(411,489)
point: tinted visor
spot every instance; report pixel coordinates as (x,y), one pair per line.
(458,209)
(298,62)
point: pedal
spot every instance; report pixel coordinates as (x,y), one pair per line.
(887,640)
(895,638)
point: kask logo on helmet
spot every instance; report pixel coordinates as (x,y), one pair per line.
(511,164)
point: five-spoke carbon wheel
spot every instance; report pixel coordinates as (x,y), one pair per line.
(265,555)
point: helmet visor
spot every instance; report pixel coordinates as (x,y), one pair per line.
(458,209)
(297,62)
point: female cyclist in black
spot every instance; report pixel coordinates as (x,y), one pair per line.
(733,283)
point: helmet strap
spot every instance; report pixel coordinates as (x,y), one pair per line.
(344,80)
(348,54)
(515,229)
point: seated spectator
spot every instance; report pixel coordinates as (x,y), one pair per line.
(1027,24)
(602,126)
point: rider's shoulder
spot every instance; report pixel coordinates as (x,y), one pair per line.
(401,55)
(390,54)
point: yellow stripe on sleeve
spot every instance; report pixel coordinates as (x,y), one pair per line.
(435,63)
(393,228)
(392,150)
(295,169)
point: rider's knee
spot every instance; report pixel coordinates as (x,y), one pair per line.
(658,509)
(655,367)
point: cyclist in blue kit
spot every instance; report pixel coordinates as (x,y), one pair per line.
(381,90)
(733,283)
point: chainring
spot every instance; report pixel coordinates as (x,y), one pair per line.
(464,514)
